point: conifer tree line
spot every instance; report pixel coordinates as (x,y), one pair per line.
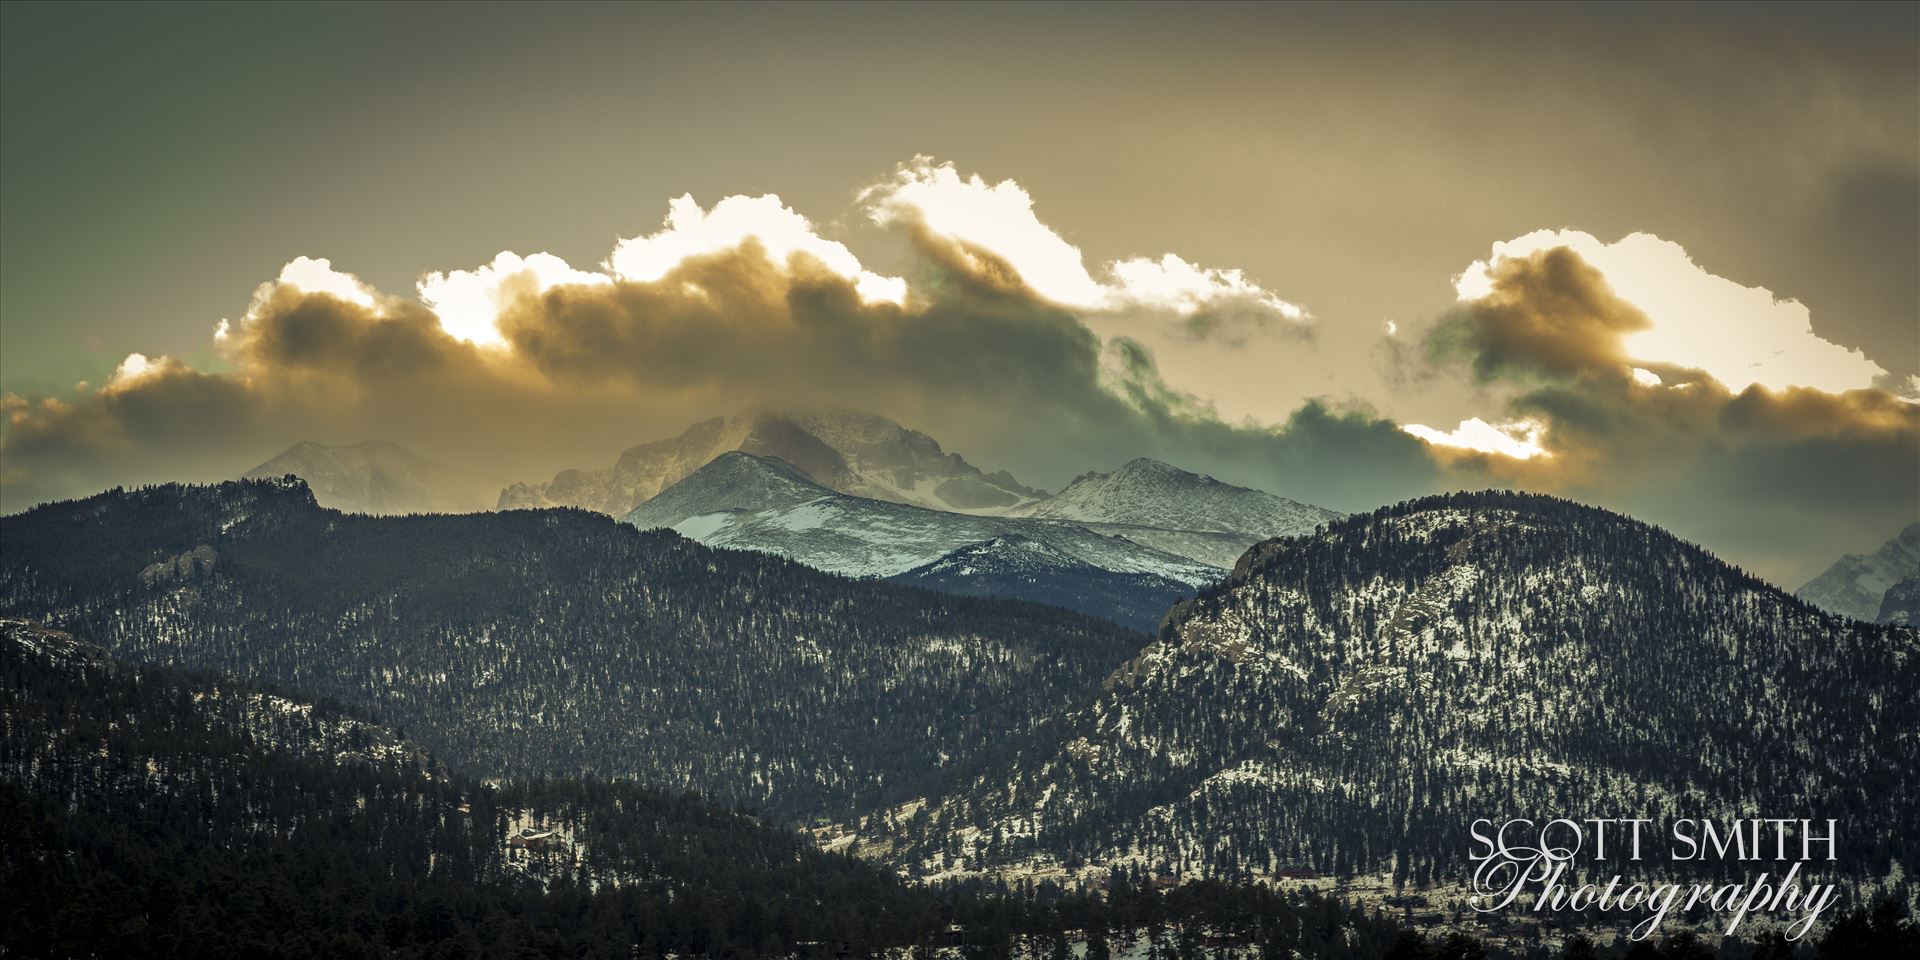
(560,643)
(422,694)
(1346,703)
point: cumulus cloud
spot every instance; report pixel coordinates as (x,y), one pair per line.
(1519,440)
(999,218)
(1757,470)
(781,233)
(527,359)
(1564,373)
(1216,333)
(1687,316)
(469,302)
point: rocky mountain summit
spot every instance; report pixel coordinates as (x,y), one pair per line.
(857,454)
(1149,493)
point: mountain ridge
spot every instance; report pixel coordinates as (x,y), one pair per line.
(1856,583)
(851,452)
(1343,703)
(1148,492)
(1018,567)
(377,477)
(559,642)
(742,501)
(1188,513)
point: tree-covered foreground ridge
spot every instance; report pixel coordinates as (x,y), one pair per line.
(543,732)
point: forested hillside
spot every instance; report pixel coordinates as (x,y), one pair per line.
(1347,703)
(146,812)
(150,812)
(560,642)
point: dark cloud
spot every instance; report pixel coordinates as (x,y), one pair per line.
(303,334)
(1549,314)
(1782,480)
(1856,260)
(981,362)
(170,419)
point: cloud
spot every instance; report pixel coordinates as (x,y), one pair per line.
(469,302)
(1686,316)
(1519,440)
(999,219)
(998,340)
(525,360)
(996,218)
(1759,471)
(693,232)
(309,275)
(1547,313)
(1215,332)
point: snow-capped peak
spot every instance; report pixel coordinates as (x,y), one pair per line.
(1150,493)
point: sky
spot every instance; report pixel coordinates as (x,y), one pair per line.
(1659,258)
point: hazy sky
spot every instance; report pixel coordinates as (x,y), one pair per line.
(158,163)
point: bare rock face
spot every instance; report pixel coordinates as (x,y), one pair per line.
(1902,602)
(859,454)
(186,566)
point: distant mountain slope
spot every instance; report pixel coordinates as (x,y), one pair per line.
(1901,603)
(854,453)
(380,478)
(148,812)
(1347,702)
(746,502)
(1149,493)
(1021,568)
(1855,584)
(560,642)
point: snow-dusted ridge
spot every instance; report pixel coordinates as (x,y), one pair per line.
(741,501)
(1344,703)
(859,454)
(1149,493)
(1857,584)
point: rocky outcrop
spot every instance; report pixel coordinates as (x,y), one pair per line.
(187,566)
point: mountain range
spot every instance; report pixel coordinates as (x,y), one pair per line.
(560,642)
(151,812)
(1345,703)
(1022,568)
(742,501)
(857,494)
(1123,545)
(1145,493)
(1342,703)
(380,478)
(1857,583)
(857,454)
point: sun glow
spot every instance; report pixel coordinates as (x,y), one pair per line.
(1519,439)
